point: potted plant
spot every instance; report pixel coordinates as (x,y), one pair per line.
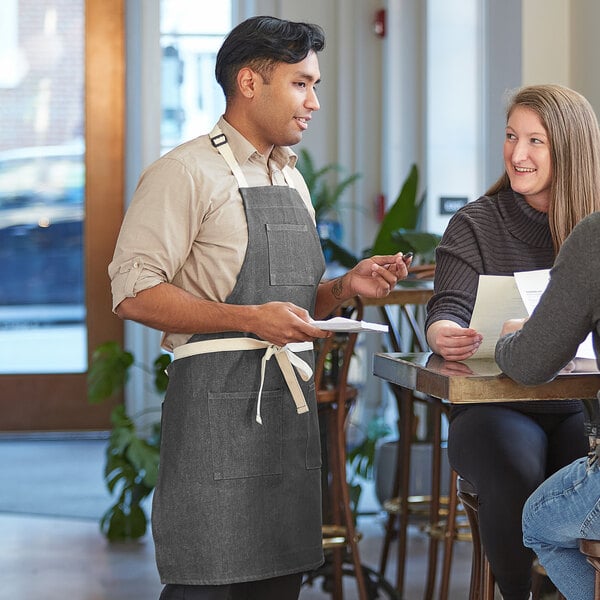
(399,230)
(131,465)
(326,200)
(361,459)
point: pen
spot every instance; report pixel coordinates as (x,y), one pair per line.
(405,257)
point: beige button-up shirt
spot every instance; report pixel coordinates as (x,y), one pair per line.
(186,223)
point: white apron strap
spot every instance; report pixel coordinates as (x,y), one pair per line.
(219,141)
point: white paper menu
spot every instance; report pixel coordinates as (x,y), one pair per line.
(503,297)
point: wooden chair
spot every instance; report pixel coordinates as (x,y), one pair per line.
(335,398)
(402,505)
(482,579)
(591,550)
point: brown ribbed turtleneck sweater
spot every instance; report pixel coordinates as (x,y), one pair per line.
(495,235)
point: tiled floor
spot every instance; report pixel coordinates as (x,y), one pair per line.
(46,557)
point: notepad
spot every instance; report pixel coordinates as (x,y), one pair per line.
(343,324)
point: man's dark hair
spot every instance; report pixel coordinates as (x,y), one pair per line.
(262,42)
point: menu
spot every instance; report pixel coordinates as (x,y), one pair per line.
(503,297)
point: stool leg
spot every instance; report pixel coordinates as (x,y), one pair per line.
(404,400)
(449,537)
(348,517)
(488,581)
(434,504)
(400,468)
(407,417)
(335,491)
(476,563)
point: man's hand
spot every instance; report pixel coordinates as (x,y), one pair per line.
(376,276)
(282,323)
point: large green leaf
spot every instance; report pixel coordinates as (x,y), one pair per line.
(403,214)
(421,243)
(108,371)
(144,458)
(137,522)
(338,253)
(120,522)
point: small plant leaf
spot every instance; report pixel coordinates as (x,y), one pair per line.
(161,379)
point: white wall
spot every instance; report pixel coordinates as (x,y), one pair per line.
(585,49)
(546,48)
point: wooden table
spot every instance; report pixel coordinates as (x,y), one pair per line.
(462,383)
(476,380)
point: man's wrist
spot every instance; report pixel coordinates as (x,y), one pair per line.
(341,288)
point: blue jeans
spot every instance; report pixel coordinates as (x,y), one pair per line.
(563,509)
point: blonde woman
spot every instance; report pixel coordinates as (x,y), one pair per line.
(551,182)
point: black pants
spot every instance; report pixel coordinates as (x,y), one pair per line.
(506,454)
(278,588)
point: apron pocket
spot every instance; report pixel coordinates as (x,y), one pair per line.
(282,237)
(240,446)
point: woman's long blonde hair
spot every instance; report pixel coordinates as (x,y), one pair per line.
(574,137)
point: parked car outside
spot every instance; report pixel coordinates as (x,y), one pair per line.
(42,212)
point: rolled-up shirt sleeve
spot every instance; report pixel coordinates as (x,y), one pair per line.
(158,230)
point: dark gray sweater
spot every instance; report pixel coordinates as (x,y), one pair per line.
(495,235)
(568,310)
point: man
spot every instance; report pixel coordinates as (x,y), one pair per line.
(219,250)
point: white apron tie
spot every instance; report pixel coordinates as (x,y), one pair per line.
(285,355)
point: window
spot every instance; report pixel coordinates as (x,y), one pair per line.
(191,34)
(42,181)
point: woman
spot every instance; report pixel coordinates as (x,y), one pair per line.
(566,507)
(551,181)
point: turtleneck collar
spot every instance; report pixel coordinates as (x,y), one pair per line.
(523,221)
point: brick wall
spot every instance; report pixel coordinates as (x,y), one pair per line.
(46,104)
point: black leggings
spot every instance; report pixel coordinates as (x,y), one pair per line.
(286,587)
(506,454)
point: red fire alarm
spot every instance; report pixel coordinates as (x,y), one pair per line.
(379,23)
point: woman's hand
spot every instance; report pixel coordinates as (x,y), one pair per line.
(451,341)
(512,325)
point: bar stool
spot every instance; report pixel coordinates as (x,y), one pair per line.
(455,529)
(335,398)
(482,579)
(591,549)
(401,505)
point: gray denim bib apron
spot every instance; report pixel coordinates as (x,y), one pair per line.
(237,500)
